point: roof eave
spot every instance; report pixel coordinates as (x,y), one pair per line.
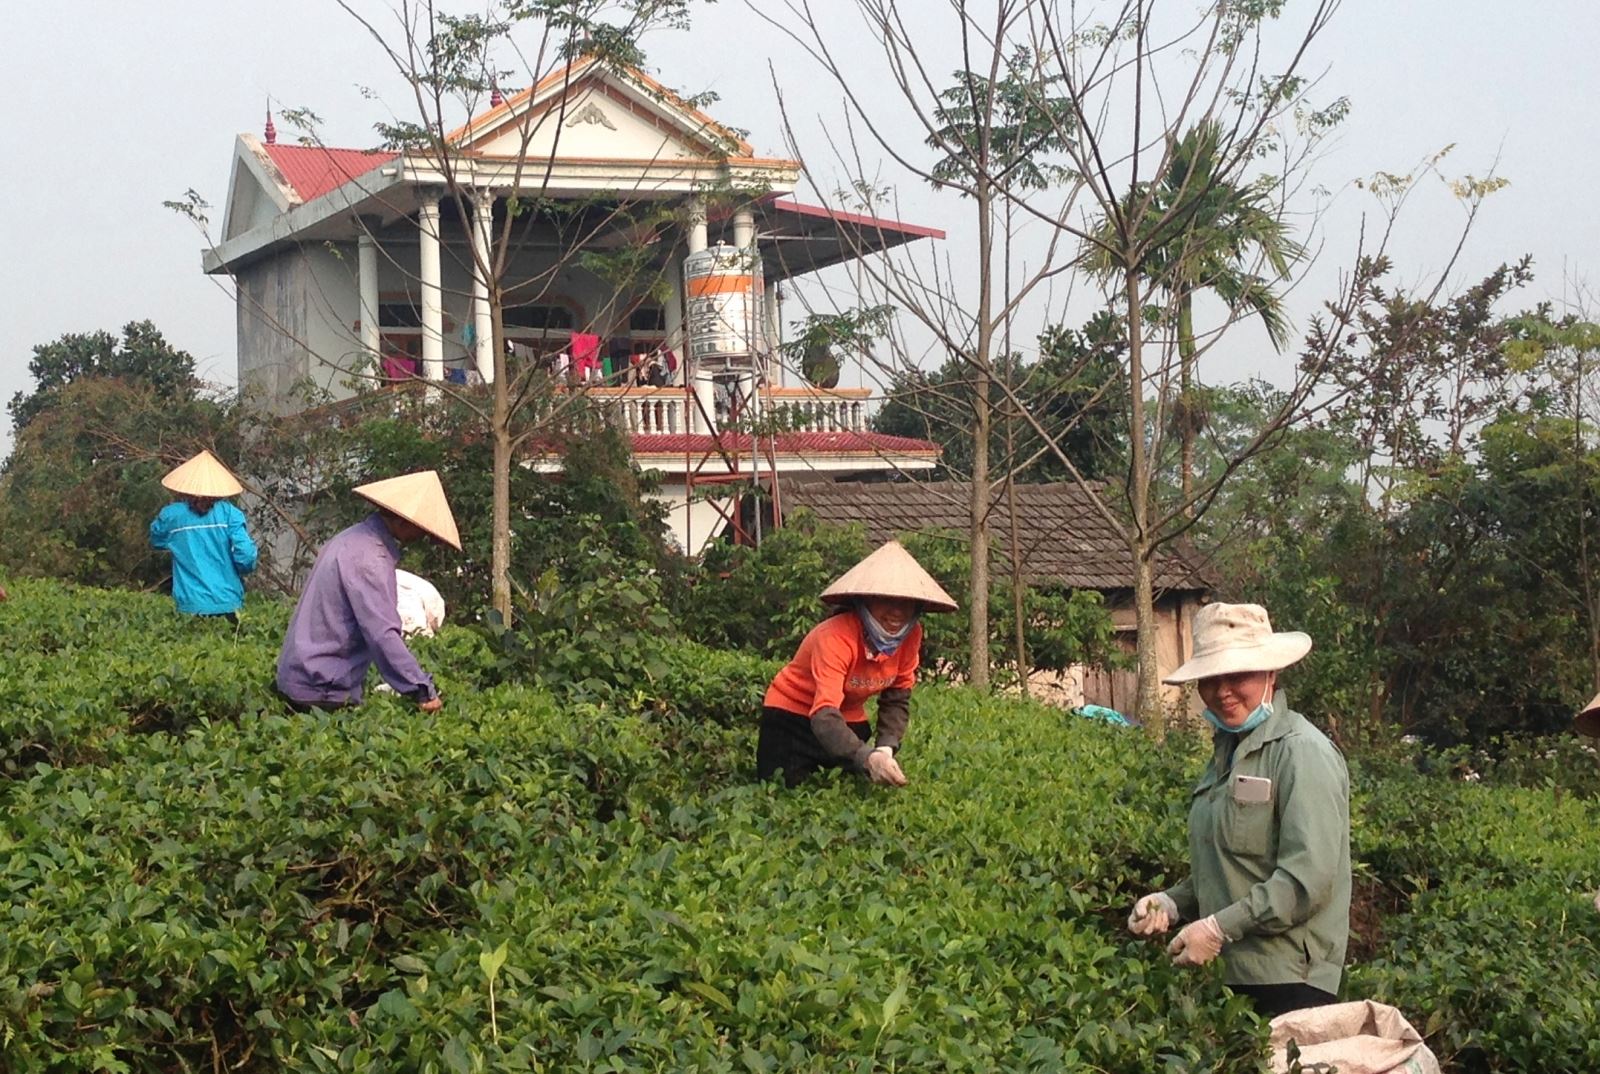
(587,175)
(349,197)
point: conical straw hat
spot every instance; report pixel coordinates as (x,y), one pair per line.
(1588,721)
(204,476)
(417,498)
(890,572)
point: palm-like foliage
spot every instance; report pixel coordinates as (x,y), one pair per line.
(1194,230)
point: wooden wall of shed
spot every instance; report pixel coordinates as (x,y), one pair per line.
(1174,644)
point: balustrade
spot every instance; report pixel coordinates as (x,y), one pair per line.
(665,411)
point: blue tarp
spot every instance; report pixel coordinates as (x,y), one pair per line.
(1104,715)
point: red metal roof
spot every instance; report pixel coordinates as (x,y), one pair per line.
(313,170)
(874,223)
(835,443)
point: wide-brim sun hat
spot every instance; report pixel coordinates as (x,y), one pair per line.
(1587,722)
(1233,638)
(891,571)
(419,499)
(204,475)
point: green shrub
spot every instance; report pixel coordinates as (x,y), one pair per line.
(765,599)
(587,635)
(193,878)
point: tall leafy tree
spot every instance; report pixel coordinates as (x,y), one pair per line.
(1008,132)
(141,355)
(1076,385)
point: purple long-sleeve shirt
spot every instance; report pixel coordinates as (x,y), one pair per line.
(347,620)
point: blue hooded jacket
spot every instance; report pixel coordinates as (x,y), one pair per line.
(211,553)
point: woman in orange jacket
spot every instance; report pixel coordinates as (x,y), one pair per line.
(814,715)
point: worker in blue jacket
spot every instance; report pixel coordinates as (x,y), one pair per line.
(210,544)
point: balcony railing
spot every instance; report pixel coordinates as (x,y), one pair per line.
(641,409)
(672,410)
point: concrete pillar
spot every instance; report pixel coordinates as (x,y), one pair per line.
(432,295)
(697,225)
(367,283)
(704,416)
(744,229)
(774,330)
(698,423)
(673,311)
(482,316)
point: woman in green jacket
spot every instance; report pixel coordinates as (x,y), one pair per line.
(1269,827)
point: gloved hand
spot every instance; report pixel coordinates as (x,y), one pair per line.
(881,767)
(1198,943)
(1153,915)
(1597,900)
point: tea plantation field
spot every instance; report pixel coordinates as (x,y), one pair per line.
(193,878)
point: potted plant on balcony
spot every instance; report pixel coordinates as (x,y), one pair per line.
(822,338)
(820,365)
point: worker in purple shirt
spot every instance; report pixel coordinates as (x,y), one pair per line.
(347,618)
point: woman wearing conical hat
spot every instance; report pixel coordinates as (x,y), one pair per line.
(814,715)
(207,536)
(347,618)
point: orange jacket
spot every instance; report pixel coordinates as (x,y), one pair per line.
(834,668)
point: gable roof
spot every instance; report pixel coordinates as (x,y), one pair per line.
(1064,539)
(313,170)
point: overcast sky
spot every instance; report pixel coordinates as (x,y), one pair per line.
(112,107)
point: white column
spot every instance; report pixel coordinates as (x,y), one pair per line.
(432,295)
(695,423)
(697,225)
(367,283)
(673,311)
(744,229)
(483,317)
(776,374)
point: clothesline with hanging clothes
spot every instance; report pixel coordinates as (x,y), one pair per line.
(586,361)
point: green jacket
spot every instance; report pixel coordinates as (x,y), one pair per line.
(1276,874)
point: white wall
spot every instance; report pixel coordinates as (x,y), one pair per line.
(692,528)
(333,306)
(271,322)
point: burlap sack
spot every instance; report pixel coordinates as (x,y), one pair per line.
(1357,1038)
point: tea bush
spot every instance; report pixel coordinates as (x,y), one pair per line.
(193,877)
(1492,936)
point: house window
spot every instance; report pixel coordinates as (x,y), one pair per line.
(648,321)
(399,315)
(647,329)
(538,321)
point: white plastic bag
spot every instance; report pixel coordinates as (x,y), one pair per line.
(420,606)
(1358,1038)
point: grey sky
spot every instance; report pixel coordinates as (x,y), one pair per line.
(113,107)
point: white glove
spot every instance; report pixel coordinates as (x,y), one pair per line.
(882,768)
(1597,900)
(1153,915)
(1197,944)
